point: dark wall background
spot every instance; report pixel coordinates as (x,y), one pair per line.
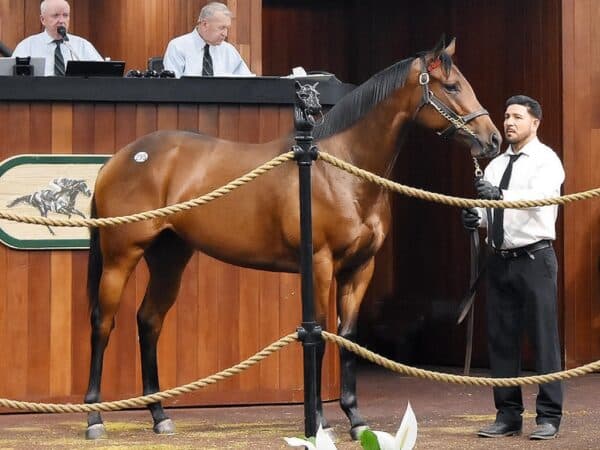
(503,48)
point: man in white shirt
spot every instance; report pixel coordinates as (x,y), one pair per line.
(204,51)
(49,44)
(522,269)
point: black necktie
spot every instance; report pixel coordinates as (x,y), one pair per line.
(207,66)
(59,61)
(498,223)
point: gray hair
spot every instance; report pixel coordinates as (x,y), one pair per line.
(44,5)
(212,8)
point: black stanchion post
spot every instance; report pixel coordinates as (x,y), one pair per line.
(309,332)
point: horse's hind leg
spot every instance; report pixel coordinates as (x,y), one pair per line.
(166,259)
(115,272)
(351,289)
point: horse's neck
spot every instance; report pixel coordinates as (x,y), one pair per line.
(372,143)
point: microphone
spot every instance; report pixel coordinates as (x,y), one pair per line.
(63,33)
(4,50)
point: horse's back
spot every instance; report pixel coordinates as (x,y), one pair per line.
(166,168)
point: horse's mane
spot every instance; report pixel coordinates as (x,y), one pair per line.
(362,99)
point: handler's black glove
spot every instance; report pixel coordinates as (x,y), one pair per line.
(486,191)
(470,219)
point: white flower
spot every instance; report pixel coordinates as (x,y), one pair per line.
(323,442)
(406,436)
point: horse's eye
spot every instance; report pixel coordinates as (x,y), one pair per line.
(451,88)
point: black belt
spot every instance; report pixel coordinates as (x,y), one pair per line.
(527,250)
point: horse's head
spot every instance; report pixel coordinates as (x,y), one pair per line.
(81,186)
(445,102)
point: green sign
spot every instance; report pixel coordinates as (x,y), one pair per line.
(54,186)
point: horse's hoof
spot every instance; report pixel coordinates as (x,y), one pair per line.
(164,427)
(96,431)
(356,431)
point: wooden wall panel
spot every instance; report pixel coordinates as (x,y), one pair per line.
(581,128)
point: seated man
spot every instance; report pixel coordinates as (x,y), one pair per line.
(51,45)
(204,50)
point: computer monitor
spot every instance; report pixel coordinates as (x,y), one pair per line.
(95,68)
(7,66)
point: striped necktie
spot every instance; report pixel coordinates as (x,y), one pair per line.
(498,223)
(207,63)
(59,61)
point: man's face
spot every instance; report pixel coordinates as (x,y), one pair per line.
(57,13)
(519,124)
(214,29)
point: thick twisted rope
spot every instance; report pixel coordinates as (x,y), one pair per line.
(277,161)
(158,396)
(157,213)
(278,345)
(448,199)
(458,379)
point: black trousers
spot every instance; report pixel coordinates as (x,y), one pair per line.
(522,296)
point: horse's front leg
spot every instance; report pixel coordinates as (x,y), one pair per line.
(166,260)
(351,289)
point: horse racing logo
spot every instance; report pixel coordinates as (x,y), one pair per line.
(59,198)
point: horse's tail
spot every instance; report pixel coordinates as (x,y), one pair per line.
(16,201)
(94,263)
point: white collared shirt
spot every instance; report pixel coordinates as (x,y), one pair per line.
(42,46)
(537,174)
(185,53)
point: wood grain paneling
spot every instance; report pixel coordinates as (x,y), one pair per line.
(581,130)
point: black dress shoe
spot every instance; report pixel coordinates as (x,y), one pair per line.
(544,431)
(500,429)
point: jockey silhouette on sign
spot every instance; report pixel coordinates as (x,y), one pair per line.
(59,199)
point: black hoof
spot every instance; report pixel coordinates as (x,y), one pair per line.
(356,431)
(96,431)
(164,427)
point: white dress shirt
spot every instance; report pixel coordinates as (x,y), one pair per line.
(185,53)
(42,45)
(537,174)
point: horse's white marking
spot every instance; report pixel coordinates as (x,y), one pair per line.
(140,157)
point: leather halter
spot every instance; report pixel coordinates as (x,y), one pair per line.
(456,122)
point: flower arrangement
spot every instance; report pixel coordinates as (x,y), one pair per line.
(405,437)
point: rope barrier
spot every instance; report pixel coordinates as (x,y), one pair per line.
(279,160)
(451,200)
(459,379)
(278,345)
(157,213)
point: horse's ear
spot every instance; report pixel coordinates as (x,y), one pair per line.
(297,84)
(439,47)
(451,47)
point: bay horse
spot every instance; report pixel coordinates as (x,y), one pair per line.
(257,226)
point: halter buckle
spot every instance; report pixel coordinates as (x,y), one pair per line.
(423,78)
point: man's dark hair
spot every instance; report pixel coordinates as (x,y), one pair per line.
(532,105)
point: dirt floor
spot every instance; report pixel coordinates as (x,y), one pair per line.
(448,417)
